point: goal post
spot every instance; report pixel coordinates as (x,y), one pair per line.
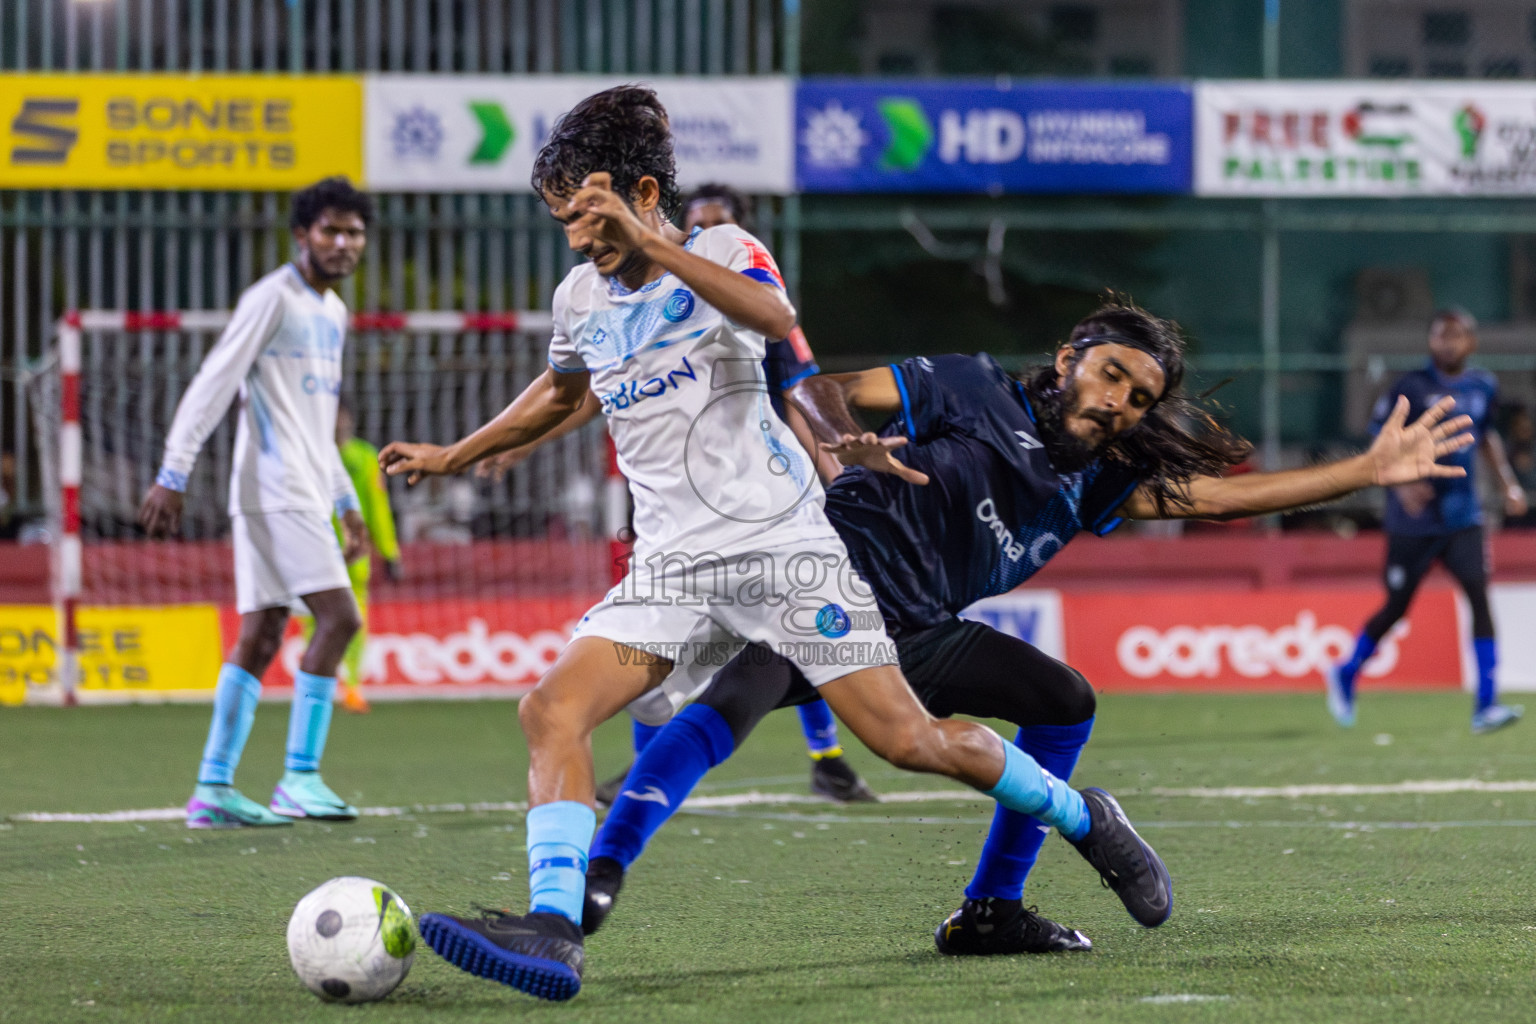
(494,568)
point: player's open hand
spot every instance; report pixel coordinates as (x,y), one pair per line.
(354,534)
(1516,504)
(1404,452)
(417,460)
(605,214)
(498,466)
(874,452)
(160,514)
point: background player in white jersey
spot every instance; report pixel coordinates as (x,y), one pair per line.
(282,354)
(669,331)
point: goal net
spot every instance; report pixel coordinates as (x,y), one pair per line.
(493,571)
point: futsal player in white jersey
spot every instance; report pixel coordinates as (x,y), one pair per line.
(281,354)
(732,543)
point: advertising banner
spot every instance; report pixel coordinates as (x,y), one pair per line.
(178,131)
(922,136)
(451,647)
(127,650)
(1365,138)
(1271,639)
(1514,606)
(1033,616)
(467,133)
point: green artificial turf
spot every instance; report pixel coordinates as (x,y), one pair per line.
(1308,908)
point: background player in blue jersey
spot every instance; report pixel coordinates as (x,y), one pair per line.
(788,362)
(1441,519)
(1009,470)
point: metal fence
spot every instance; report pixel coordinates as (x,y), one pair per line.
(196,250)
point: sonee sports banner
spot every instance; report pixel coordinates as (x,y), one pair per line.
(178,131)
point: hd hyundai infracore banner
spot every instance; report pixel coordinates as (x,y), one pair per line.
(862,135)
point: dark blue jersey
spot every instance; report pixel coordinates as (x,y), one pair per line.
(994,510)
(1455,506)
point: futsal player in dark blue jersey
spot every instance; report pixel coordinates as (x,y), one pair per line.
(1441,519)
(977,481)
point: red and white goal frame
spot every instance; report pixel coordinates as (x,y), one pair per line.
(68,569)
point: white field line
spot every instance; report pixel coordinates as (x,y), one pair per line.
(727,801)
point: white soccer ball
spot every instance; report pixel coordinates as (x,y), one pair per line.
(352,940)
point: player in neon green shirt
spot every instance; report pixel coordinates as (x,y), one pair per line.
(361,460)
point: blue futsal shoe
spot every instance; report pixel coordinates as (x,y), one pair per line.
(304,795)
(1496,716)
(538,953)
(226,807)
(1341,703)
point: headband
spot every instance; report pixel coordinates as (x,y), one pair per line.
(1120,339)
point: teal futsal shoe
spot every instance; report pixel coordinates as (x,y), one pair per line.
(1496,716)
(227,807)
(304,795)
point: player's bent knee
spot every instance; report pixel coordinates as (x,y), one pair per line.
(911,746)
(1079,702)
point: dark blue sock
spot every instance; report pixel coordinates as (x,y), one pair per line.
(1487,652)
(1015,840)
(672,764)
(820,729)
(1350,670)
(642,734)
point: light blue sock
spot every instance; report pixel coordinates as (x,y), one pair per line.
(558,837)
(641,735)
(234,709)
(1014,842)
(309,721)
(1487,651)
(820,728)
(1030,789)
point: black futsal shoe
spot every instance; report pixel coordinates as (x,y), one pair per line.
(991,927)
(832,778)
(540,954)
(609,791)
(1124,860)
(605,877)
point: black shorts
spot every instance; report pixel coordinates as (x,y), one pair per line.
(1409,559)
(955,668)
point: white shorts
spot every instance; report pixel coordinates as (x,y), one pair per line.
(804,601)
(280,556)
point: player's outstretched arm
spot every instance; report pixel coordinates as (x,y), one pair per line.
(542,406)
(827,400)
(1402,453)
(498,466)
(761,307)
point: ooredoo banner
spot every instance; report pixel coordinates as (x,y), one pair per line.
(453,646)
(468,133)
(1271,639)
(857,135)
(1365,138)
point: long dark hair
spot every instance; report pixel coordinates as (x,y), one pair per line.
(1177,440)
(624,131)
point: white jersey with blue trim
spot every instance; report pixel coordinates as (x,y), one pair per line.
(281,353)
(710,465)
